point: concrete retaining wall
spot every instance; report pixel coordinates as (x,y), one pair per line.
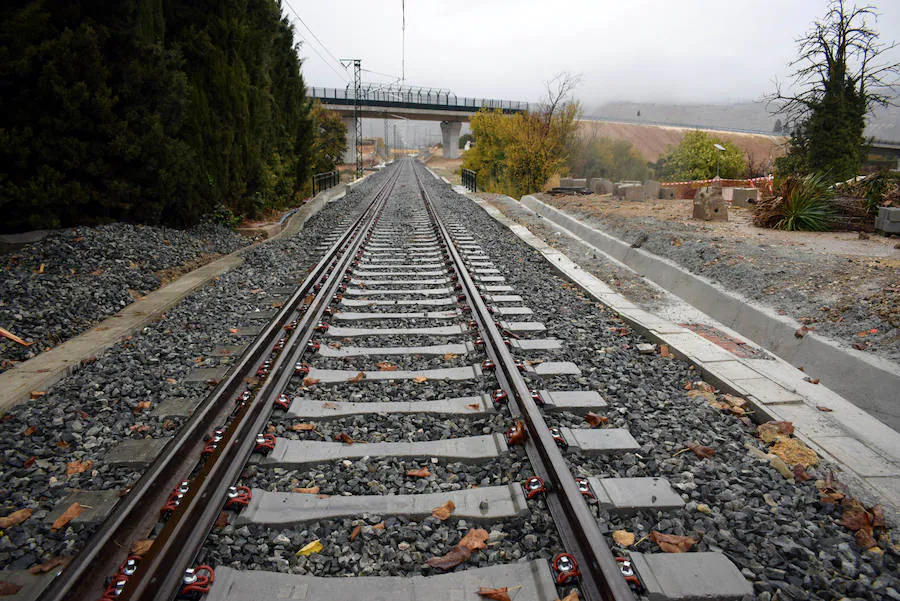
(870,382)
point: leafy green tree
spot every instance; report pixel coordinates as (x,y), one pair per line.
(599,156)
(330,139)
(840,78)
(463,139)
(696,158)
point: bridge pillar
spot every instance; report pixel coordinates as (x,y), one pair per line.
(450,141)
(350,151)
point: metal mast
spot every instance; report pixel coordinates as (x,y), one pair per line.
(357,119)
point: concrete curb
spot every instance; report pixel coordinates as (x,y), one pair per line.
(48,368)
(866,450)
(870,382)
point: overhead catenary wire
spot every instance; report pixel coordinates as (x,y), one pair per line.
(322,44)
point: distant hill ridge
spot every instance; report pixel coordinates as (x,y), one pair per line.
(740,116)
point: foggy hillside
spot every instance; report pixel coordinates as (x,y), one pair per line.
(744,115)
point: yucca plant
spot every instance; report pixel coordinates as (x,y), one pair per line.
(805,204)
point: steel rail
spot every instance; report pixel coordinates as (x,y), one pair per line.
(160,572)
(601,578)
(136,514)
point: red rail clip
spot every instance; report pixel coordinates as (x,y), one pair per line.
(264,443)
(238,496)
(197,582)
(565,568)
(534,486)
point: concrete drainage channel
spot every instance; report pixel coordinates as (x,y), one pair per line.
(872,383)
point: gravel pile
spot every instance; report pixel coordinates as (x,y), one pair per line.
(54,289)
(85,415)
(780,536)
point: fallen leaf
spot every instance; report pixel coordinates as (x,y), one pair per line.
(310,548)
(701,451)
(355,532)
(572,596)
(76,467)
(307,381)
(386,366)
(450,356)
(865,539)
(474,406)
(496,594)
(794,451)
(878,516)
(357,378)
(343,437)
(811,380)
(329,405)
(472,541)
(140,547)
(664,351)
(422,472)
(7,334)
(67,516)
(519,435)
(53,562)
(62,444)
(771,431)
(420,379)
(673,543)
(800,473)
(171,380)
(443,512)
(801,332)
(233,330)
(141,406)
(860,346)
(169,425)
(855,517)
(623,537)
(139,428)
(595,420)
(36,394)
(313,490)
(30,430)
(823,408)
(378,526)
(303,427)
(16,517)
(8,588)
(30,461)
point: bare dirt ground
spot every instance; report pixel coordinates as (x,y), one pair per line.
(449,168)
(833,282)
(653,140)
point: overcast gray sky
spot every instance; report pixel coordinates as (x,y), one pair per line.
(681,51)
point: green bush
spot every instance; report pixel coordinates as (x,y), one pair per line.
(806,204)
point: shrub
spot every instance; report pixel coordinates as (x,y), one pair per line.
(801,204)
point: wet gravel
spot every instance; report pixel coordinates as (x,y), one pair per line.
(780,536)
(86,414)
(56,288)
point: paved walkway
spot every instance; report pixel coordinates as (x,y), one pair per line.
(865,450)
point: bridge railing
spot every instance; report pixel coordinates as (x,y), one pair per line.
(416,99)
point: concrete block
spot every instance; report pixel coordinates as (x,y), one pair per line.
(572,400)
(513,311)
(744,197)
(135,453)
(176,407)
(566,182)
(597,441)
(229,350)
(284,509)
(767,392)
(852,452)
(667,193)
(601,185)
(888,220)
(341,332)
(516,327)
(709,205)
(689,576)
(651,190)
(338,376)
(552,368)
(531,581)
(96,505)
(631,191)
(579,183)
(33,585)
(293,454)
(461,348)
(206,374)
(248,331)
(536,344)
(633,494)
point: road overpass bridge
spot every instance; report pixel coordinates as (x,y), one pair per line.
(414,103)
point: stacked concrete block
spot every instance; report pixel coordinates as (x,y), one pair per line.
(601,185)
(888,220)
(709,205)
(631,191)
(744,197)
(667,193)
(651,190)
(579,183)
(566,182)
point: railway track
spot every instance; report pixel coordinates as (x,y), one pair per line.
(403,387)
